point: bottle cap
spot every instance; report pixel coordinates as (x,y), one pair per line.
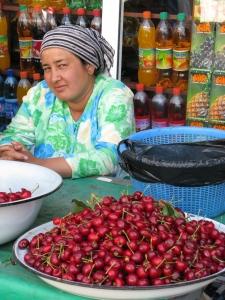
(66,10)
(36,76)
(51,10)
(9,72)
(176,91)
(159,89)
(164,15)
(146,14)
(22,7)
(23,74)
(139,87)
(80,12)
(96,12)
(181,16)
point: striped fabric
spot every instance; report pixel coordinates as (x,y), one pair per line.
(85,43)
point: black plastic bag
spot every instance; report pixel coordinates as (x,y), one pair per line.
(181,164)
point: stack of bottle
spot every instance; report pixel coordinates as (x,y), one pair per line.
(163,52)
(160,111)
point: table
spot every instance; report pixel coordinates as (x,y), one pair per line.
(17,283)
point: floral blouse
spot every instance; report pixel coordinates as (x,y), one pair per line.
(44,125)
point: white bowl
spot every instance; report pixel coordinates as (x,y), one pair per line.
(17,216)
(95,291)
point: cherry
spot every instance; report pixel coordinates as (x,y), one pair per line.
(23,244)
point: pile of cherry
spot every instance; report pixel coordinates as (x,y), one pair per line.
(14,196)
(132,241)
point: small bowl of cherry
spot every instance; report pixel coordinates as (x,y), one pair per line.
(22,190)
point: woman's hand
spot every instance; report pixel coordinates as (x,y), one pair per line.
(14,151)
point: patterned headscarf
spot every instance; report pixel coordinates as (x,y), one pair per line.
(86,43)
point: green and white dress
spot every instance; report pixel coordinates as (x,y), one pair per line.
(45,126)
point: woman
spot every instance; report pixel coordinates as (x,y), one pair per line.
(72,121)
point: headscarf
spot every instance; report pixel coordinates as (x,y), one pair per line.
(86,43)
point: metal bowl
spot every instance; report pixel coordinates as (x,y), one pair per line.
(17,216)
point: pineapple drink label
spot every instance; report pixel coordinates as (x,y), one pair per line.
(198,95)
(217,100)
(3,45)
(25,45)
(164,58)
(146,58)
(181,60)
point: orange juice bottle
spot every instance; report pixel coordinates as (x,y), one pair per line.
(146,45)
(181,52)
(23,86)
(164,46)
(4,51)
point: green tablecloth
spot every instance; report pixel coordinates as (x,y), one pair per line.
(17,283)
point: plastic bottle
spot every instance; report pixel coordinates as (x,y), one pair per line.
(66,18)
(4,50)
(24,30)
(141,108)
(181,52)
(159,108)
(38,31)
(50,19)
(164,51)
(81,18)
(93,4)
(146,44)
(23,86)
(2,105)
(96,22)
(176,109)
(36,78)
(9,92)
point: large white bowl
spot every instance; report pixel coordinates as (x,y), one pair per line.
(95,291)
(17,216)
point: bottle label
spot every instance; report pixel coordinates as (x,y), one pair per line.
(36,47)
(2,107)
(164,58)
(25,48)
(146,58)
(11,107)
(3,45)
(76,4)
(180,60)
(142,122)
(176,123)
(159,123)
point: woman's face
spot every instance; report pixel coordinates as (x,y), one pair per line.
(66,75)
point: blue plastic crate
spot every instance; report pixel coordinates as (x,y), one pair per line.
(208,201)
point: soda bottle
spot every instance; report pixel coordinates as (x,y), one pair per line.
(159,108)
(176,109)
(96,22)
(141,108)
(146,44)
(23,86)
(4,50)
(181,52)
(81,18)
(36,78)
(9,92)
(38,31)
(164,48)
(2,105)
(24,30)
(50,19)
(93,4)
(66,18)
